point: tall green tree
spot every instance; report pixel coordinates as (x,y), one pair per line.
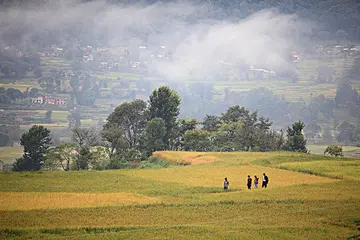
(347,133)
(155,133)
(295,138)
(84,139)
(186,124)
(47,118)
(113,136)
(211,123)
(345,93)
(229,137)
(74,118)
(252,125)
(235,114)
(36,143)
(131,118)
(4,139)
(198,140)
(165,104)
(63,154)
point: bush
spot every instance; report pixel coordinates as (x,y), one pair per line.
(333,150)
(155,162)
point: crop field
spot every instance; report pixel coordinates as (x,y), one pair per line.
(51,126)
(9,154)
(59,116)
(115,75)
(349,151)
(22,86)
(305,199)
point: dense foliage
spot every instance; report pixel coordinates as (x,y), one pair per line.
(136,129)
(334,151)
(36,143)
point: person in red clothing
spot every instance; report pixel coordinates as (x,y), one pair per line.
(256,181)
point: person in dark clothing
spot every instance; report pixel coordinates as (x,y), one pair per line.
(249,181)
(265,181)
(226,184)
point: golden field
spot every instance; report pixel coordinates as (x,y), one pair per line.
(305,199)
(36,200)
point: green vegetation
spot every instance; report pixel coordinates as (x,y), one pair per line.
(334,151)
(187,202)
(36,143)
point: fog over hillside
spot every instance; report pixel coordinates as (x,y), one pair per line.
(196,41)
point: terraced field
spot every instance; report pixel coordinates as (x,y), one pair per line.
(308,197)
(9,154)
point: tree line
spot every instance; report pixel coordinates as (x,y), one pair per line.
(327,119)
(136,129)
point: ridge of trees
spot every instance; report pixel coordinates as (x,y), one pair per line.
(136,129)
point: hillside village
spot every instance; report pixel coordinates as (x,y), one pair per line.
(109,76)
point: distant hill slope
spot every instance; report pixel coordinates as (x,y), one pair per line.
(337,18)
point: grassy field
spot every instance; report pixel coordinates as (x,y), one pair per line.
(188,202)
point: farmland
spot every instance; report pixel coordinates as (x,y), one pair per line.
(9,154)
(304,200)
(349,151)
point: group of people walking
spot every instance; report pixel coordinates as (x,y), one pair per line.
(265,182)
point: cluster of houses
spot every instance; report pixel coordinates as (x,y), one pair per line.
(52,51)
(48,100)
(112,58)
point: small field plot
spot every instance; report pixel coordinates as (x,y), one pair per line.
(349,151)
(116,75)
(55,61)
(291,91)
(336,169)
(35,200)
(88,122)
(22,86)
(9,154)
(59,116)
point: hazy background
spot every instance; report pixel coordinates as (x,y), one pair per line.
(198,41)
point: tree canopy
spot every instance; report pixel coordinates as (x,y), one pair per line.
(164,103)
(36,143)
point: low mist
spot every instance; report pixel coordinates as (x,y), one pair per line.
(184,38)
